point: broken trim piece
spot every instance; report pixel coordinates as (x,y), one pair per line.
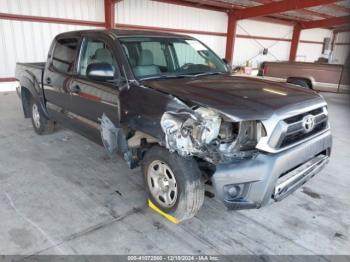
(114,140)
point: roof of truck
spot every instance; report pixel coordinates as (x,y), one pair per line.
(124,32)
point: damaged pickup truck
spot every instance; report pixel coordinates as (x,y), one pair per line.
(169,104)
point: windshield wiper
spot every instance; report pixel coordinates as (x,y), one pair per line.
(184,75)
(161,77)
(204,74)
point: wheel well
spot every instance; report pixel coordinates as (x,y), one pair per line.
(306,80)
(26,97)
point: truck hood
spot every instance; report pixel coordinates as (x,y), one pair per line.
(240,98)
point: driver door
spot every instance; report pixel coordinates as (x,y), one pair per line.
(90,99)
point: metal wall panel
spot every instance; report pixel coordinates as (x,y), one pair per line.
(92,10)
(156,14)
(26,42)
(252,49)
(152,13)
(29,41)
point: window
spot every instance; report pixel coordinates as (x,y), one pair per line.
(64,54)
(93,52)
(154,57)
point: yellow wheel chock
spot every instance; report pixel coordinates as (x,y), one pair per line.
(167,216)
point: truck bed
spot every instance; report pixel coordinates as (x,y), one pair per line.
(30,70)
(33,72)
(324,77)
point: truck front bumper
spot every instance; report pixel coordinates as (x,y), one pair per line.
(270,177)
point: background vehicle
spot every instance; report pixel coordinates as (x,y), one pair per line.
(317,76)
(168,103)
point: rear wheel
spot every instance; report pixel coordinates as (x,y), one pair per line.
(174,183)
(41,124)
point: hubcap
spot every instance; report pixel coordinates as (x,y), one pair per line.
(162,183)
(36,116)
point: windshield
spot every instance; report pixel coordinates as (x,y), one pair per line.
(156,57)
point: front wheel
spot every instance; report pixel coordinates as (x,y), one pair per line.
(173,183)
(41,124)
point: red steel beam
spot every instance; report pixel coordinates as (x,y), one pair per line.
(191,4)
(199,32)
(335,21)
(313,13)
(304,11)
(194,4)
(279,7)
(51,20)
(215,3)
(109,13)
(166,29)
(295,43)
(7,79)
(231,36)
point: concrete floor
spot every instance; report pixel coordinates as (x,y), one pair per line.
(61,194)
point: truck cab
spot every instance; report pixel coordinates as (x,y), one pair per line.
(169,104)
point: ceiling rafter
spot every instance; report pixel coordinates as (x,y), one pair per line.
(304,11)
(335,21)
(279,7)
(220,4)
(191,4)
(269,9)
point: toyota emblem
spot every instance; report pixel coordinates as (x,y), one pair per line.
(308,123)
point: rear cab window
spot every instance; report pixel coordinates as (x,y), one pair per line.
(64,54)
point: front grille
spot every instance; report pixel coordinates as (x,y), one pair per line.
(295,131)
(300,117)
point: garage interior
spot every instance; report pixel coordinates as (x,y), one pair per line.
(62,194)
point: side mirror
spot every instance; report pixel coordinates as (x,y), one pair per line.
(100,72)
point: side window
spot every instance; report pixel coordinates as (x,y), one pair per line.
(64,54)
(95,51)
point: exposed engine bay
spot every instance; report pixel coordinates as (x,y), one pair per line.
(206,134)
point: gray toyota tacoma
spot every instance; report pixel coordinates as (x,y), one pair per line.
(169,104)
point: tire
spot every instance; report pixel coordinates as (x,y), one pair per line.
(300,82)
(189,186)
(41,124)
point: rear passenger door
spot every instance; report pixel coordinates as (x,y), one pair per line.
(58,74)
(90,99)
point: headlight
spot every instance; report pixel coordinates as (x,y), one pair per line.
(208,127)
(205,133)
(246,135)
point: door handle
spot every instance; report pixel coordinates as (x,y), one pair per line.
(75,89)
(48,80)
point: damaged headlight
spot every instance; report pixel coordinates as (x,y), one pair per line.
(187,133)
(207,127)
(244,136)
(203,132)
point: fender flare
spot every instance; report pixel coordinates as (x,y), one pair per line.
(35,90)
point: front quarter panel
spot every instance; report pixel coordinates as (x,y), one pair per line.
(141,108)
